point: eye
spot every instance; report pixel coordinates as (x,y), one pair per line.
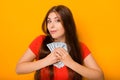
(58,20)
(49,21)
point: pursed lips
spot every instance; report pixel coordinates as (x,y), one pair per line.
(53,31)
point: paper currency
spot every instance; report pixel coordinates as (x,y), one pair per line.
(54,45)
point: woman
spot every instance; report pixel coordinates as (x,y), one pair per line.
(77,60)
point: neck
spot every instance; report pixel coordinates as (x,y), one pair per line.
(59,40)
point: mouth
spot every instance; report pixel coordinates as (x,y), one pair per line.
(53,31)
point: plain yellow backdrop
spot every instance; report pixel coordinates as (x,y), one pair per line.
(98,26)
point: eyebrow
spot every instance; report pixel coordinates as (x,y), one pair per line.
(54,18)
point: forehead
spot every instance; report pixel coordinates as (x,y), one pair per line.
(53,15)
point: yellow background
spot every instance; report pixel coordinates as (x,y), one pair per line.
(98,25)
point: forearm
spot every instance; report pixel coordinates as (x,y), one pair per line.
(88,73)
(27,67)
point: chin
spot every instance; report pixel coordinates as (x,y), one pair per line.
(54,37)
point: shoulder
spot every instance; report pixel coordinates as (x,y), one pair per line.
(84,50)
(38,40)
(40,37)
(36,44)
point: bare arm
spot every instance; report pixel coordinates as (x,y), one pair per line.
(90,70)
(27,64)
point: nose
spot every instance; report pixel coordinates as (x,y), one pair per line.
(52,25)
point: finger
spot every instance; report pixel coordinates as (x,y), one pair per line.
(58,55)
(61,52)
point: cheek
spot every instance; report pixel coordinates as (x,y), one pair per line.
(62,30)
(60,26)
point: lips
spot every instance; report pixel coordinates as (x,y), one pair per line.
(53,31)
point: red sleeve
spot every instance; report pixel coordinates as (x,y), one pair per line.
(85,50)
(36,44)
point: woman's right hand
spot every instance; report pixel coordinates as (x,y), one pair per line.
(51,58)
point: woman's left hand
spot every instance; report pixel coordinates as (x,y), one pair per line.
(63,56)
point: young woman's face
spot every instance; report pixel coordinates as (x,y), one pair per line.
(55,27)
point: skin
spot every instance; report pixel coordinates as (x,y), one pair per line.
(55,27)
(90,70)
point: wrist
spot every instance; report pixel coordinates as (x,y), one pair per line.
(46,61)
(70,63)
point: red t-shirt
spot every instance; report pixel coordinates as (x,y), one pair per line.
(59,73)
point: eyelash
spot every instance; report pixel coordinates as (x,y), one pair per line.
(49,21)
(58,20)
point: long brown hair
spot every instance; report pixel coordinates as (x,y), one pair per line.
(70,39)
